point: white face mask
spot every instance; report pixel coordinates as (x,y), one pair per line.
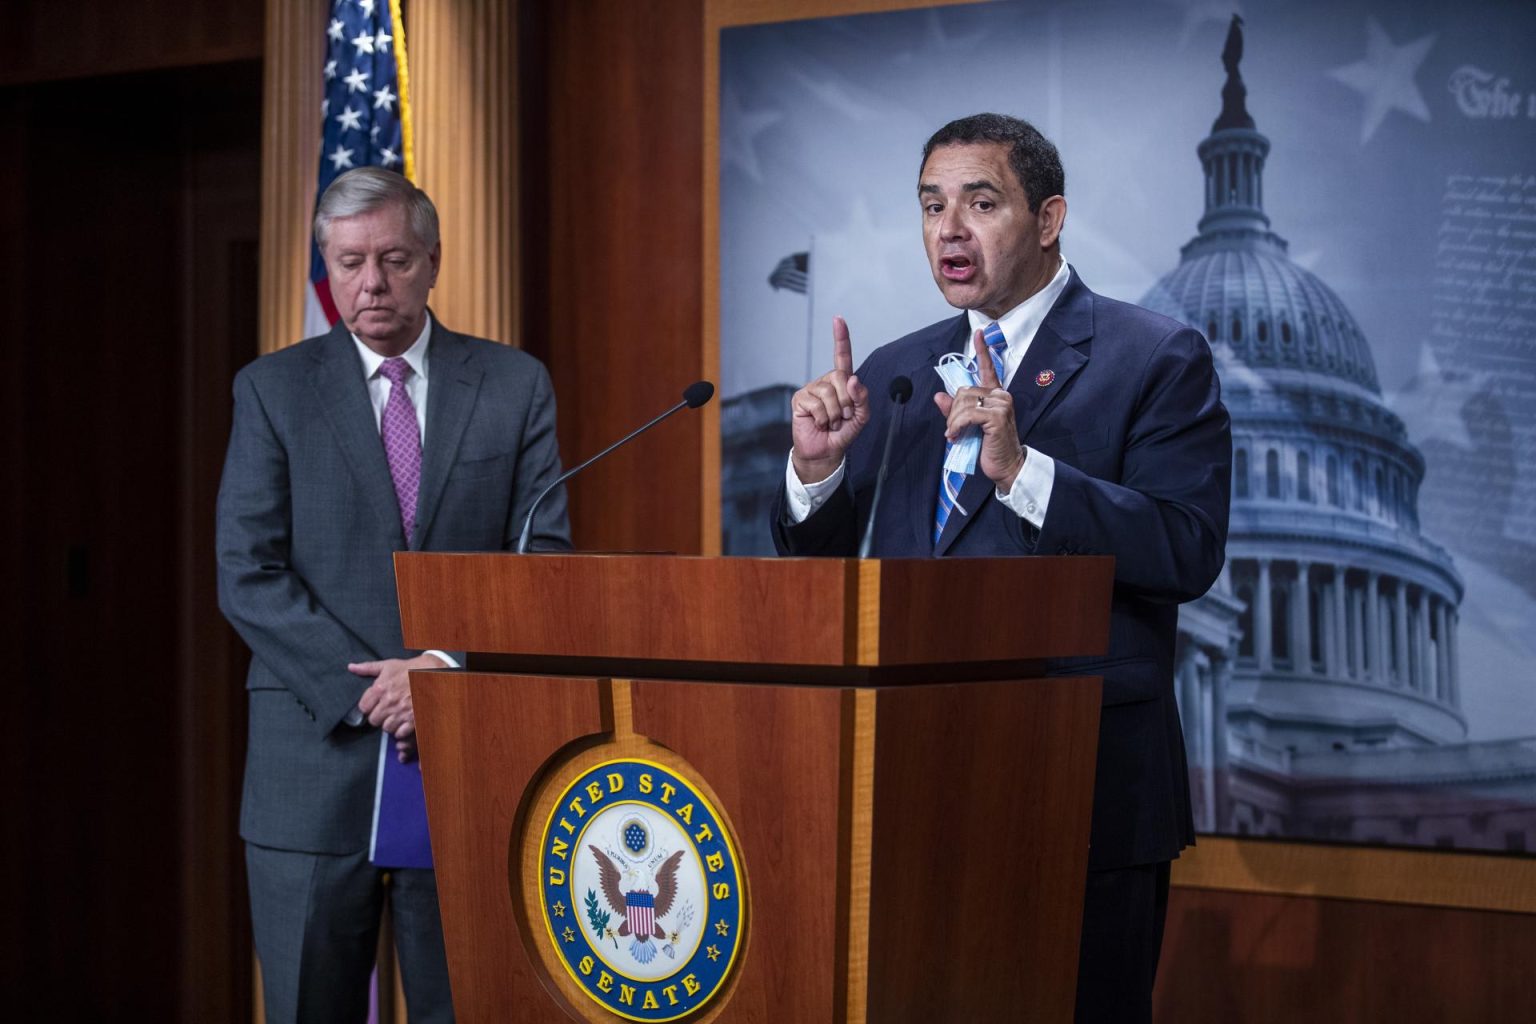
(958,372)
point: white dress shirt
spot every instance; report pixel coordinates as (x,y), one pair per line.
(415,385)
(1030,495)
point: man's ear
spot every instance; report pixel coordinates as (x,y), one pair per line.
(1052,217)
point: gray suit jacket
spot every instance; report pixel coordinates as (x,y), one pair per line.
(307,528)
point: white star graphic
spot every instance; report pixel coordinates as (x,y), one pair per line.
(325,107)
(330,70)
(373,133)
(364,43)
(367,6)
(1385,77)
(381,41)
(341,158)
(357,81)
(738,129)
(384,98)
(350,120)
(335,29)
(388,157)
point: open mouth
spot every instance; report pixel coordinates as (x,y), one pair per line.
(957,268)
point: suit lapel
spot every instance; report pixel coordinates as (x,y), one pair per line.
(343,398)
(452,388)
(1053,359)
(920,471)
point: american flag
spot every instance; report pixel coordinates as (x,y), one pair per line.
(365,117)
(790,273)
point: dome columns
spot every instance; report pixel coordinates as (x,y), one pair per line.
(1325,622)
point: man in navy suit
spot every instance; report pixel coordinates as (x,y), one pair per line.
(389,433)
(1102,432)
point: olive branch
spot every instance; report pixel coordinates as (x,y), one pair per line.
(598,919)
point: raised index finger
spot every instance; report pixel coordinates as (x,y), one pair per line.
(842,346)
(986,373)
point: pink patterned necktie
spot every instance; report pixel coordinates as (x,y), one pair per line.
(402,441)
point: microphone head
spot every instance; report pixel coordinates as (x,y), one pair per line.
(901,390)
(701,391)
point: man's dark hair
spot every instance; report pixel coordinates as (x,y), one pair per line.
(1031,155)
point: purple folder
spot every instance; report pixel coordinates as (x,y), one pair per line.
(400,838)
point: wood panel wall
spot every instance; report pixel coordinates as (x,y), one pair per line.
(129,253)
(1236,958)
(612,241)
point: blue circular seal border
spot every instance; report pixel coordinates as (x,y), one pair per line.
(701,977)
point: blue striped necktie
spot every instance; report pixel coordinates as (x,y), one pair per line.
(950,480)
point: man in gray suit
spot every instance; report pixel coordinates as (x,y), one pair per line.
(389,433)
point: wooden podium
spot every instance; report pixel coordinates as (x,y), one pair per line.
(907,801)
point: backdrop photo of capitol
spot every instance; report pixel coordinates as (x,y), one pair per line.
(1342,198)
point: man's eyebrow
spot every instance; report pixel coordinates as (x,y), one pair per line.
(982,185)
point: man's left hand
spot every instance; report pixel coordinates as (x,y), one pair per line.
(387,703)
(989,407)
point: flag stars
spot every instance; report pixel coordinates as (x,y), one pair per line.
(388,157)
(341,158)
(330,70)
(384,98)
(367,7)
(381,41)
(373,133)
(723,927)
(350,120)
(357,81)
(713,952)
(364,43)
(335,30)
(325,107)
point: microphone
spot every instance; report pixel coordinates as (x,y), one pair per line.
(694,395)
(900,391)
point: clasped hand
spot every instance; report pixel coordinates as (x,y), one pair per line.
(387,702)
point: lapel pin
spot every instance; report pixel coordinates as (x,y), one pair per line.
(1044,378)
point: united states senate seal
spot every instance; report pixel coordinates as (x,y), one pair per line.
(641,890)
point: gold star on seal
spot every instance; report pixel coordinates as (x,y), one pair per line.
(713,952)
(722,927)
(558,909)
(568,935)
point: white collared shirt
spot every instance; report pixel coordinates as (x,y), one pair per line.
(415,385)
(1030,495)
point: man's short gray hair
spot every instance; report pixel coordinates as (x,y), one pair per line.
(365,189)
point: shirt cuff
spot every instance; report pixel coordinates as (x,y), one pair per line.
(1031,493)
(444,657)
(807,498)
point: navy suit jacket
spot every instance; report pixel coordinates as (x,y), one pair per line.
(1128,404)
(307,528)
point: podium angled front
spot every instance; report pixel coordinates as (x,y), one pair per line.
(878,809)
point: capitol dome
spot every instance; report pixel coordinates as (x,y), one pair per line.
(1266,311)
(1333,628)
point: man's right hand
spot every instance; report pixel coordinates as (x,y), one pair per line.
(828,413)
